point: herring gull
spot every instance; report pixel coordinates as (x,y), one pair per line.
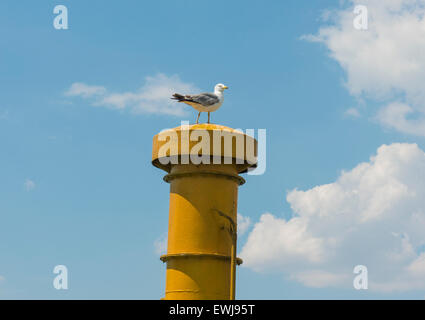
(204,102)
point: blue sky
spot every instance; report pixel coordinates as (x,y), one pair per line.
(76,184)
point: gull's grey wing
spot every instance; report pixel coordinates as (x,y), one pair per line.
(206,99)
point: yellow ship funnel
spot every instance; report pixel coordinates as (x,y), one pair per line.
(203,163)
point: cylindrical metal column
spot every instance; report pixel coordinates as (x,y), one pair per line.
(201,253)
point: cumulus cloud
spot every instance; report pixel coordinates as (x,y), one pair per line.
(352,112)
(84,90)
(29,185)
(153,97)
(395,115)
(372,215)
(243,224)
(320,278)
(160,244)
(385,63)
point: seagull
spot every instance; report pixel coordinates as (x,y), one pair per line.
(204,102)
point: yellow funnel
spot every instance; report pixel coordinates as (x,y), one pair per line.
(201,254)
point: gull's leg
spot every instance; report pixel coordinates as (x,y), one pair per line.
(197,119)
(208,117)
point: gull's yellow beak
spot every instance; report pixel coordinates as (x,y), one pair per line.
(225,87)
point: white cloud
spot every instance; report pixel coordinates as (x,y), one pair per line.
(386,62)
(160,244)
(29,185)
(320,279)
(84,90)
(372,215)
(395,116)
(352,112)
(153,97)
(243,224)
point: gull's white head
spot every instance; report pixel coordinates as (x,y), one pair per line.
(220,87)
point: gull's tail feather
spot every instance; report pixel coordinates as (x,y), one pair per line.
(178,97)
(181,98)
